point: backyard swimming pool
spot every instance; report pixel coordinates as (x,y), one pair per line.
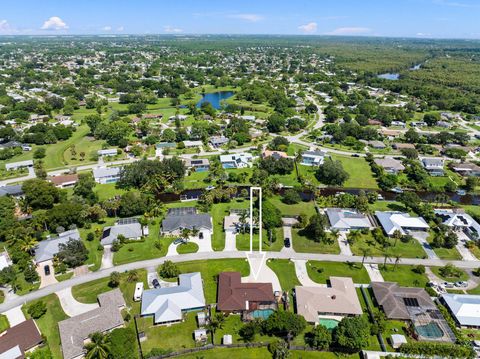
(330,324)
(262,313)
(430,330)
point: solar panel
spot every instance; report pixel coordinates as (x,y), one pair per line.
(182,211)
(411,302)
(127,220)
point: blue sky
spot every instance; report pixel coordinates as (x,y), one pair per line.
(397,18)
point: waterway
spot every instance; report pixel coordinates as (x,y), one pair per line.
(215,98)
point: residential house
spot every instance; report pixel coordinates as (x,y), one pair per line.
(105,175)
(464,308)
(378,145)
(168,304)
(14,191)
(129,228)
(17,341)
(217,141)
(399,221)
(347,219)
(64,181)
(5,260)
(75,330)
(236,160)
(47,249)
(466,169)
(178,117)
(109,152)
(402,146)
(18,165)
(243,298)
(313,158)
(458,220)
(187,217)
(274,154)
(339,299)
(192,144)
(434,166)
(198,164)
(163,145)
(390,165)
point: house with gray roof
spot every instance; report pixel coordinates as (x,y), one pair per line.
(399,221)
(105,175)
(313,158)
(434,166)
(14,191)
(47,249)
(168,304)
(458,220)
(18,165)
(347,219)
(390,165)
(129,228)
(74,331)
(175,221)
(464,308)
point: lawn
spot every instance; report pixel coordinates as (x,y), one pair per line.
(394,327)
(218,213)
(463,276)
(189,247)
(95,250)
(448,253)
(403,275)
(107,191)
(285,271)
(243,241)
(320,272)
(2,297)
(303,244)
(210,269)
(412,249)
(4,325)
(293,209)
(48,323)
(261,353)
(359,170)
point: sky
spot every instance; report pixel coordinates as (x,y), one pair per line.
(391,18)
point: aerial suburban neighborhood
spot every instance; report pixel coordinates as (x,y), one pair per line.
(246,196)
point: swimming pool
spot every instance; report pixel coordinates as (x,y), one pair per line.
(262,313)
(430,330)
(330,324)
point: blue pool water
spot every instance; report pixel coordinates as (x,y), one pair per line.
(262,313)
(215,98)
(228,165)
(430,330)
(330,324)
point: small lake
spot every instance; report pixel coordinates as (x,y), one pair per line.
(389,76)
(215,98)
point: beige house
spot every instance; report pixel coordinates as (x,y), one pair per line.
(337,300)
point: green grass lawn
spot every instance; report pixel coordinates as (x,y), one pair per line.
(320,272)
(4,325)
(107,191)
(359,170)
(403,275)
(243,241)
(394,327)
(48,323)
(24,287)
(2,297)
(303,244)
(448,253)
(412,249)
(210,269)
(189,247)
(95,250)
(285,271)
(64,276)
(293,209)
(387,206)
(462,277)
(261,353)
(218,213)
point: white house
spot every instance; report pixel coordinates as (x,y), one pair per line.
(464,308)
(434,166)
(457,219)
(236,160)
(18,165)
(313,158)
(347,219)
(402,222)
(107,152)
(105,175)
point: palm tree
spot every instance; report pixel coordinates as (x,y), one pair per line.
(365,253)
(98,347)
(335,233)
(143,223)
(298,158)
(216,322)
(132,275)
(396,235)
(386,256)
(28,244)
(243,220)
(186,233)
(397,260)
(194,232)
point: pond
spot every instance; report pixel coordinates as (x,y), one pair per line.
(389,76)
(215,98)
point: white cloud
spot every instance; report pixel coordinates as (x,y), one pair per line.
(350,31)
(6,28)
(423,34)
(247,17)
(309,28)
(54,23)
(172,29)
(107,28)
(120,28)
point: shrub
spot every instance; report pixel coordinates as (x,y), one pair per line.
(419,269)
(444,350)
(169,270)
(37,309)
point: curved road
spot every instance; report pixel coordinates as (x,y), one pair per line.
(103,273)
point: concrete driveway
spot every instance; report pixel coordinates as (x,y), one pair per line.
(230,240)
(462,249)
(302,274)
(46,280)
(70,305)
(344,245)
(265,274)
(107,257)
(287,233)
(421,237)
(15,316)
(373,272)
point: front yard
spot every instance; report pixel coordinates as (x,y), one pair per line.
(320,272)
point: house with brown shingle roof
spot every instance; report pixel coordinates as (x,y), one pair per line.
(237,297)
(63,181)
(20,339)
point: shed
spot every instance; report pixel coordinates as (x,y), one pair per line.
(200,335)
(227,339)
(397,340)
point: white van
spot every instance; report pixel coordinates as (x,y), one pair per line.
(137,296)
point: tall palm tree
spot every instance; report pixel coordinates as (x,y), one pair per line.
(396,235)
(365,253)
(194,232)
(28,244)
(243,220)
(186,233)
(397,260)
(216,322)
(386,255)
(98,348)
(298,158)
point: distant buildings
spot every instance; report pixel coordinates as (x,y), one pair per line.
(48,248)
(390,165)
(187,217)
(167,305)
(13,166)
(457,219)
(338,300)
(466,169)
(217,141)
(434,166)
(402,222)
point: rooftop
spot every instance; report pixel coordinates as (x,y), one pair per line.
(465,308)
(340,218)
(47,249)
(25,336)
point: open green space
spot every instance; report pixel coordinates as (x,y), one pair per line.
(107,191)
(303,244)
(48,323)
(307,208)
(189,247)
(404,275)
(4,325)
(359,170)
(243,241)
(320,272)
(218,213)
(463,276)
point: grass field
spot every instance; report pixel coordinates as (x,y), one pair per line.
(189,247)
(285,271)
(403,275)
(307,208)
(107,191)
(462,277)
(320,272)
(48,323)
(261,353)
(360,174)
(243,241)
(303,244)
(218,213)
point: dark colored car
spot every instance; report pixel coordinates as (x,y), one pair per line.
(155,283)
(286,242)
(47,270)
(355,155)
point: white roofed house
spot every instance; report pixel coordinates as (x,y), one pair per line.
(168,304)
(458,220)
(434,166)
(105,175)
(18,165)
(402,222)
(464,308)
(347,219)
(107,152)
(313,158)
(236,160)
(191,144)
(129,228)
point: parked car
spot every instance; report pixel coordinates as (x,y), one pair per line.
(355,155)
(47,270)
(461,284)
(397,190)
(286,242)
(448,285)
(155,283)
(179,241)
(461,192)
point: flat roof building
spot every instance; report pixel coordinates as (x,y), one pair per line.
(399,221)
(464,308)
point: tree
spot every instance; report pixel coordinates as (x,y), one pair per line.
(84,187)
(39,153)
(169,270)
(331,173)
(316,228)
(98,347)
(353,333)
(319,338)
(37,309)
(73,253)
(249,330)
(279,349)
(281,323)
(216,322)
(115,278)
(40,194)
(291,196)
(30,273)
(279,143)
(93,121)
(431,119)
(471,183)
